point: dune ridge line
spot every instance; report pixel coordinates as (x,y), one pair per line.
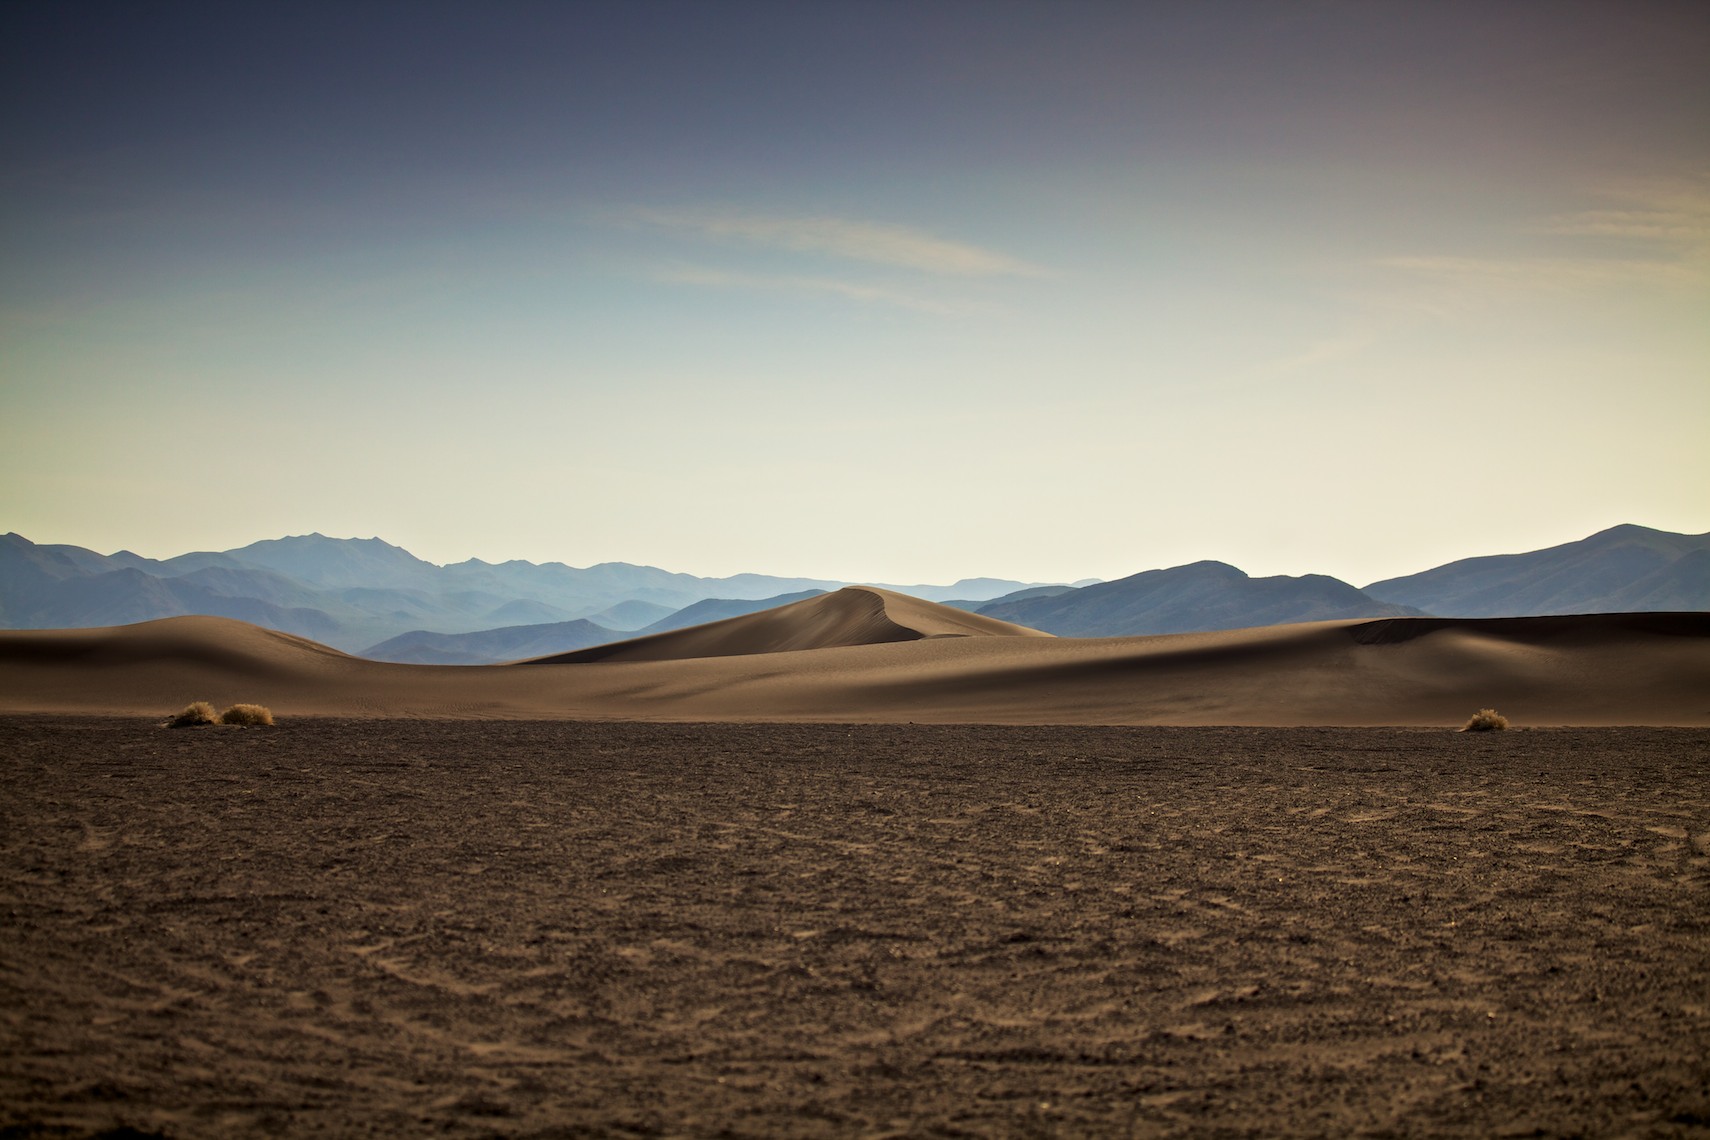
(867,655)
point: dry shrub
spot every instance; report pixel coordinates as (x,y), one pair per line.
(195,713)
(247,715)
(1485,720)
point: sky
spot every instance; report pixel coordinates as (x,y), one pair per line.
(871,291)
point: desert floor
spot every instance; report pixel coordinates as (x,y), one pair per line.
(393,927)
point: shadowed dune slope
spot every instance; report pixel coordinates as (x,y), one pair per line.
(132,667)
(196,641)
(1601,669)
(855,615)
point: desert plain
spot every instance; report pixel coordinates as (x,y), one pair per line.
(844,881)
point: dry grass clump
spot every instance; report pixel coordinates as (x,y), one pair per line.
(1485,720)
(199,713)
(194,714)
(247,715)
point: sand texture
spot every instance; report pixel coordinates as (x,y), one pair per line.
(549,929)
(868,656)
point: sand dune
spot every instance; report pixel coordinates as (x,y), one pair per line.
(855,615)
(216,640)
(913,661)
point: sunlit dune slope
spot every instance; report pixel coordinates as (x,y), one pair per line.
(855,615)
(1600,669)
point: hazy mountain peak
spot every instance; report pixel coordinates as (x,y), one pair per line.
(1624,568)
(322,561)
(1205,568)
(1198,596)
(1632,532)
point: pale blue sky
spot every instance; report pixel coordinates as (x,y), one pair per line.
(895,292)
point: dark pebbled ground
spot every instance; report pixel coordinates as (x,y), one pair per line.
(355,928)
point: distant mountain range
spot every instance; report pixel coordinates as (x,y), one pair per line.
(369,597)
(1625,569)
(357,594)
(1187,599)
(491,646)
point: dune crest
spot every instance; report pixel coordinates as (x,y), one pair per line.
(196,639)
(854,615)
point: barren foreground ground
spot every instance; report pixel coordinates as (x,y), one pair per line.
(555,929)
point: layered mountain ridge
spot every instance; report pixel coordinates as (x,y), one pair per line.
(369,597)
(359,594)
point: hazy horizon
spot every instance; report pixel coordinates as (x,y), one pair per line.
(856,291)
(765,572)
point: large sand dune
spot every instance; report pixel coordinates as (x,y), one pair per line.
(856,615)
(866,655)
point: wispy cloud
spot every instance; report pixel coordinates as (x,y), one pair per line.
(1666,214)
(1650,233)
(872,242)
(1548,274)
(1672,226)
(850,290)
(1318,353)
